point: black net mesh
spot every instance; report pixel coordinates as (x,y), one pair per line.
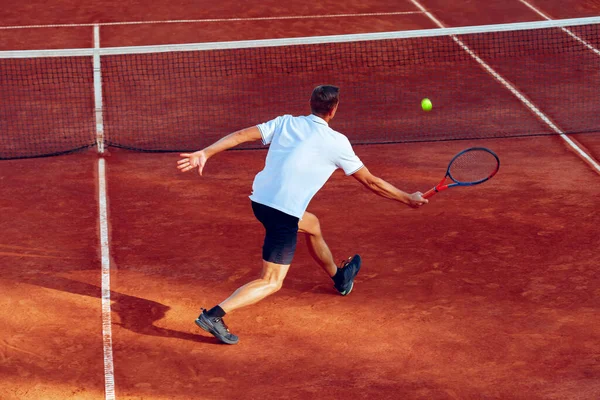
(184,100)
(46,106)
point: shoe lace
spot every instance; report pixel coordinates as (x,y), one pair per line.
(345,262)
(218,319)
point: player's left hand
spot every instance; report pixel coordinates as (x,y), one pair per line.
(192,160)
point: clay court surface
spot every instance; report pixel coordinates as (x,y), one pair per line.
(486,293)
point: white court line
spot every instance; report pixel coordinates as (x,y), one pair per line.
(98,91)
(567,31)
(194,21)
(536,10)
(109,372)
(109,369)
(586,157)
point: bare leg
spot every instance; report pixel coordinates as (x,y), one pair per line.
(270,281)
(309,224)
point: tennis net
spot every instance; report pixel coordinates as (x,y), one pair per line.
(508,80)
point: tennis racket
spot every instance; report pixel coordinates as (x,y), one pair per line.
(469,167)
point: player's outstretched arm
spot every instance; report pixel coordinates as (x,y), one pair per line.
(199,158)
(387,190)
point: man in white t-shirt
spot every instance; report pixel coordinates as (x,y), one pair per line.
(304,152)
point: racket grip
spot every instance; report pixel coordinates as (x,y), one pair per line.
(429,193)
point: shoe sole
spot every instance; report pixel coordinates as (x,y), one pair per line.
(213,332)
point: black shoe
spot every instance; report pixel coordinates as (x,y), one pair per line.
(216,327)
(349,269)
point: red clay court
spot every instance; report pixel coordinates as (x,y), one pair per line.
(485,293)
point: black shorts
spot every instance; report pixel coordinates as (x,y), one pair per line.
(281,234)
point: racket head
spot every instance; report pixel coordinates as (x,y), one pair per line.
(473,166)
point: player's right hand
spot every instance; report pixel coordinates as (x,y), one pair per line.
(416,200)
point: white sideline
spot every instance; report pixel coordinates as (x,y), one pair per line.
(586,157)
(567,31)
(109,369)
(109,374)
(98,91)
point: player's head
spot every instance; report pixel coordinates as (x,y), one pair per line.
(324,100)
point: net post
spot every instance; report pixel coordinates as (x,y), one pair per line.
(98,91)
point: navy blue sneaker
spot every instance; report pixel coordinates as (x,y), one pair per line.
(349,270)
(216,327)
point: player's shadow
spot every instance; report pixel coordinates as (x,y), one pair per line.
(135,314)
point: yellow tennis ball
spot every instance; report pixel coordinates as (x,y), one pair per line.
(426,105)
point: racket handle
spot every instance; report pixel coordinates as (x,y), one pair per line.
(429,193)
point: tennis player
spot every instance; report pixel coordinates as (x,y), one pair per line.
(304,152)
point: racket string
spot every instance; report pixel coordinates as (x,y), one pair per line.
(473,166)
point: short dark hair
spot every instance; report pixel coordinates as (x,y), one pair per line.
(324,98)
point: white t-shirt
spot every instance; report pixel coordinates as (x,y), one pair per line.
(304,152)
